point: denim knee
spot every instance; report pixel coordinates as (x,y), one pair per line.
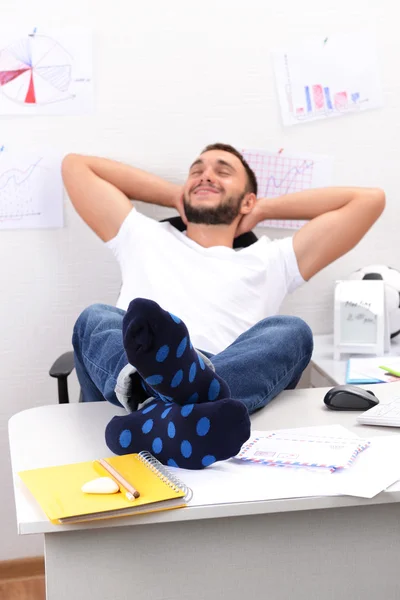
(297,333)
(89,316)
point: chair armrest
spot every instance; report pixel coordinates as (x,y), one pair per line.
(63,366)
(60,369)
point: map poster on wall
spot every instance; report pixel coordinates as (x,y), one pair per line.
(327,78)
(280,173)
(31,191)
(44,72)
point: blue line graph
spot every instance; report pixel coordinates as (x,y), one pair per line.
(17,176)
(278,174)
(284,184)
(281,173)
(18,198)
(31,192)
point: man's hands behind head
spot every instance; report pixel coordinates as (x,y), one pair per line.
(249,221)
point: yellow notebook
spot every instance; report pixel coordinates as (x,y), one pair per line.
(58,489)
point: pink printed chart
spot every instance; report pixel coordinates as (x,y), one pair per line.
(279,173)
(328,77)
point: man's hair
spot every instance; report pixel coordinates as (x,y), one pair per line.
(251,177)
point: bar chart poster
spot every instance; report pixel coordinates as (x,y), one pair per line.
(280,173)
(327,78)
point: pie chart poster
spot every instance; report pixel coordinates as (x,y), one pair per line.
(46,72)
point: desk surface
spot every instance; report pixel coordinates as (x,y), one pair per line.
(60,434)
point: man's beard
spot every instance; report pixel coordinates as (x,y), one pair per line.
(222,214)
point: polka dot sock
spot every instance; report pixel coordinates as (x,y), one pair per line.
(191,437)
(157,343)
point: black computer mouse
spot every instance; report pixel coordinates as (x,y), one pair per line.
(350,397)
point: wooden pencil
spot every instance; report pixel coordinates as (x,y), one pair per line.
(131,492)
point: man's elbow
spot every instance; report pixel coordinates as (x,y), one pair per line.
(71,163)
(377,201)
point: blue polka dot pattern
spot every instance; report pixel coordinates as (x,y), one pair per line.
(182,347)
(177,378)
(157,445)
(125,438)
(164,359)
(162,353)
(208,460)
(174,318)
(192,442)
(171,462)
(213,390)
(186,449)
(193,398)
(186,410)
(203,426)
(171,430)
(154,379)
(165,413)
(165,398)
(192,372)
(148,409)
(147,426)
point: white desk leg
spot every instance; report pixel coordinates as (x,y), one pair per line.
(324,554)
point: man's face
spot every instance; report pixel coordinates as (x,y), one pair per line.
(215,189)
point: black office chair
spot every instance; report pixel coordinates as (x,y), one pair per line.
(64,364)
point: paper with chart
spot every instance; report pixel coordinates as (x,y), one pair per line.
(45,72)
(282,172)
(227,482)
(31,192)
(303,450)
(327,77)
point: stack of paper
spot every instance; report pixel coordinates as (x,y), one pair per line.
(296,449)
(379,369)
(373,471)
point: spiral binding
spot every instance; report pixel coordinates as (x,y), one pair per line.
(165,474)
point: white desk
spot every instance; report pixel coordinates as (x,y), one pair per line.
(325,371)
(280,549)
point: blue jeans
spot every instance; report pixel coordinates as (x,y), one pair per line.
(260,363)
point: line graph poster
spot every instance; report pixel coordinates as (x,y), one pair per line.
(327,78)
(31,191)
(280,173)
(47,72)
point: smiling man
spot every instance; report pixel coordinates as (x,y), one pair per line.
(224,189)
(196,327)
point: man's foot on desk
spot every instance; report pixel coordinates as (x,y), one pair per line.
(191,437)
(158,344)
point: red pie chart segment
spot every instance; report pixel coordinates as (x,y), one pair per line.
(30,97)
(7,76)
(36,70)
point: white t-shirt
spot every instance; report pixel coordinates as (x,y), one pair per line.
(218,292)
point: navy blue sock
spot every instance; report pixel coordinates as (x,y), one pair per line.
(158,344)
(193,436)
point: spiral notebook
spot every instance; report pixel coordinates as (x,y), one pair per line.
(58,489)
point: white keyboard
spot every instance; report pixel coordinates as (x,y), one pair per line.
(387,414)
